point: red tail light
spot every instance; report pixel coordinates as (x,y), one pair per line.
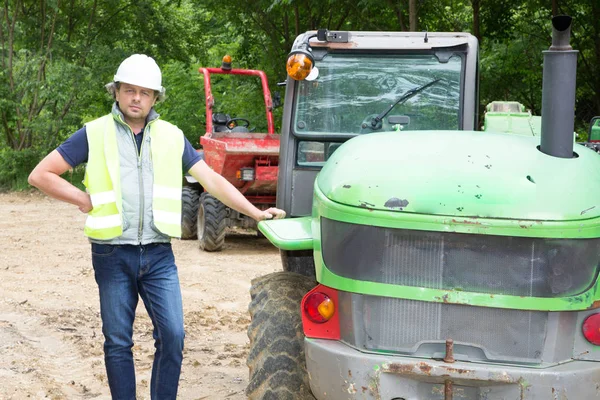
(320,316)
(591,329)
(318,307)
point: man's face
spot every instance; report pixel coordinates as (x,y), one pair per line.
(135,102)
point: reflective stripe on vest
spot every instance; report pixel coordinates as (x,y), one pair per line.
(103,181)
(166,145)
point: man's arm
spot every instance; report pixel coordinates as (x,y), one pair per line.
(228,194)
(46,177)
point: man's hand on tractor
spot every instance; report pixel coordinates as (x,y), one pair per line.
(271,213)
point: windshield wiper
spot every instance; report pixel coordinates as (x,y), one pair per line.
(410,93)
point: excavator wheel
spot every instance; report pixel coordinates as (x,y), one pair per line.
(190,197)
(212,223)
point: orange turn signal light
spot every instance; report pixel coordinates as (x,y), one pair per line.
(226,62)
(326,309)
(299,65)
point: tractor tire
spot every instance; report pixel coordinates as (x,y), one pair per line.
(190,198)
(276,358)
(212,223)
(299,261)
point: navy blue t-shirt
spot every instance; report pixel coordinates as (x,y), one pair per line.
(75,150)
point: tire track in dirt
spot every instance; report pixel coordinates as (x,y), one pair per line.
(61,373)
(50,332)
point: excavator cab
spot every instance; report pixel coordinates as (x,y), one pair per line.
(224,123)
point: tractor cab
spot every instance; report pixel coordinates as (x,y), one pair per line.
(511,117)
(345,84)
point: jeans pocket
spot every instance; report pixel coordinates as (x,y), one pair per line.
(103,250)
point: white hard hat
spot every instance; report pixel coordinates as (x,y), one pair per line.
(140,70)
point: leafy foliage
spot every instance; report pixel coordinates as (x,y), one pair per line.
(57,55)
(15,166)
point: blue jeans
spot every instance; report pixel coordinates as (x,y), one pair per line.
(123,272)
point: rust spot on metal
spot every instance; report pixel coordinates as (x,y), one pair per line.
(524,386)
(350,373)
(595,304)
(449,351)
(465,221)
(529,224)
(400,368)
(448,390)
(364,204)
(460,371)
(425,368)
(445,298)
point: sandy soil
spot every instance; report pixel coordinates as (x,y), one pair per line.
(50,331)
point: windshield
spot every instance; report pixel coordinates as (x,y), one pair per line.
(350,90)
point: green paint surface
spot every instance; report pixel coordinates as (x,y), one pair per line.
(463,174)
(289,234)
(464,182)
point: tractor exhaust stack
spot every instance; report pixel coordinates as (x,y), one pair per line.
(558,91)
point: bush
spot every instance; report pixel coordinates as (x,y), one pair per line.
(15,166)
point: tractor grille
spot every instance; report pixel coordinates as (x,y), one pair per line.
(515,266)
(420,329)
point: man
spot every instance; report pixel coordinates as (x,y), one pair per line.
(133,201)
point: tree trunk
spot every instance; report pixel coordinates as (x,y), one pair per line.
(399,15)
(412,15)
(296,18)
(476,31)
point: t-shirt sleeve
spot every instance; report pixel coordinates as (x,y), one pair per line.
(190,156)
(75,149)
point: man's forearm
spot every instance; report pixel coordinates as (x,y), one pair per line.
(233,198)
(58,188)
(46,177)
(229,195)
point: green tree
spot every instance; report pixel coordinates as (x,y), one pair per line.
(57,55)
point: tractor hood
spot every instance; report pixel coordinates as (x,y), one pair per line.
(463,174)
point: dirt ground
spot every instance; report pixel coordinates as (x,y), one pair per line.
(50,330)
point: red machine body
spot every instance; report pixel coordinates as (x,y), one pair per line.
(230,152)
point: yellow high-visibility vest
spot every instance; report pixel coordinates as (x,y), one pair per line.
(103,179)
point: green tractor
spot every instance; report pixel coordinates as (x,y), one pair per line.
(594,132)
(511,117)
(449,263)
